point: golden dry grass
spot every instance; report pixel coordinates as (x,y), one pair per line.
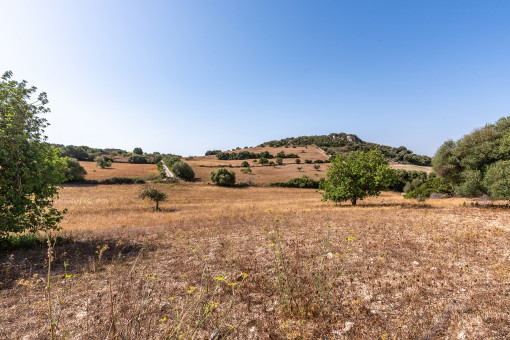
(119,170)
(428,270)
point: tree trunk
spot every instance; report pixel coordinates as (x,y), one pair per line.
(353,201)
(157,205)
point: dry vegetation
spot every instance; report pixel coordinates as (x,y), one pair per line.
(119,170)
(397,269)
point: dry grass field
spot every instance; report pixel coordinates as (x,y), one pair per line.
(263,263)
(119,170)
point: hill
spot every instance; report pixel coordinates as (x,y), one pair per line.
(343,143)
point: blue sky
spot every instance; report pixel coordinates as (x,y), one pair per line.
(187,76)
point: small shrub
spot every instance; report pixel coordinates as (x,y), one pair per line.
(263,160)
(297,161)
(316,167)
(279,160)
(308,161)
(138,151)
(223,177)
(245,164)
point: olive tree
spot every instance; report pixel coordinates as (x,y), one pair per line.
(356,176)
(30,169)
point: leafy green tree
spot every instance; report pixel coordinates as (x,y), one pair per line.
(497,180)
(103,162)
(356,176)
(316,167)
(183,171)
(297,161)
(74,171)
(263,160)
(299,168)
(138,151)
(279,160)
(30,169)
(245,164)
(223,177)
(154,195)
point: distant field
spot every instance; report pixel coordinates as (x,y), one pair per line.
(119,170)
(263,175)
(408,270)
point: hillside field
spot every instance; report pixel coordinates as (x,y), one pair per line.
(263,175)
(389,269)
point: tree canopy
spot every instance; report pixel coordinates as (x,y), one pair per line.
(476,163)
(361,174)
(30,169)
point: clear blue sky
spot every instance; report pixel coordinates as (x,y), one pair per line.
(187,76)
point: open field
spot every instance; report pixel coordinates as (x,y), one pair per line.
(119,170)
(397,269)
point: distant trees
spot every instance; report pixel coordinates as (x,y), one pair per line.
(263,160)
(279,160)
(138,151)
(356,176)
(212,152)
(245,164)
(30,169)
(297,161)
(223,177)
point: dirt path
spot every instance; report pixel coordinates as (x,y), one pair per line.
(322,151)
(168,173)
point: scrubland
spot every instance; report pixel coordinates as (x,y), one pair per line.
(258,263)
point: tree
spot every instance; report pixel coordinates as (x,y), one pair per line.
(279,160)
(154,195)
(30,169)
(223,177)
(245,164)
(316,167)
(103,162)
(74,171)
(356,176)
(297,161)
(183,171)
(138,151)
(497,180)
(137,159)
(299,168)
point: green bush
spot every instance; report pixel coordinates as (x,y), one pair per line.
(299,182)
(297,161)
(436,185)
(103,162)
(170,160)
(75,172)
(308,161)
(223,177)
(137,159)
(263,160)
(245,164)
(279,160)
(138,151)
(183,171)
